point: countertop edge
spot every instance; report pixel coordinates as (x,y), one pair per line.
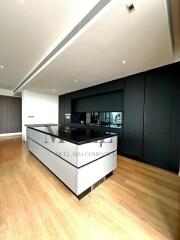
(69,140)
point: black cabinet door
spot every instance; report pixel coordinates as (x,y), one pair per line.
(133,116)
(3,114)
(157,114)
(157,118)
(61,109)
(108,102)
(175,126)
(67,109)
(133,141)
(156,149)
(67,106)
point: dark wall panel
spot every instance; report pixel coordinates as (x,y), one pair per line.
(10,114)
(14,115)
(3,114)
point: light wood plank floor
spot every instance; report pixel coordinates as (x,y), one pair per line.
(138,202)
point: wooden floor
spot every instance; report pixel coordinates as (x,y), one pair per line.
(138,202)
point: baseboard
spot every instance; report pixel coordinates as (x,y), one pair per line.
(10,134)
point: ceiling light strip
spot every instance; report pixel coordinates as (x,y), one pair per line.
(65,42)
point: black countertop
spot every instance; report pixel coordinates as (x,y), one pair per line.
(75,135)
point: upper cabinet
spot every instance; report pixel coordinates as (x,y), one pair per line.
(133,115)
(108,102)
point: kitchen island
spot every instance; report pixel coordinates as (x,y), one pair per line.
(81,158)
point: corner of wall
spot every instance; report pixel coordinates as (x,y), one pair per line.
(6,92)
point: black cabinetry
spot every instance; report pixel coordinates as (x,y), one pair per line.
(157,117)
(175,126)
(61,109)
(150,102)
(133,116)
(112,102)
(65,109)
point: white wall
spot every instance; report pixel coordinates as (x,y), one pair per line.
(38,108)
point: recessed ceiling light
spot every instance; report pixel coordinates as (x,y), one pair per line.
(124,62)
(76,81)
(53,89)
(1,66)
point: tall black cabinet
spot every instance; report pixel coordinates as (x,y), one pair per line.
(133,116)
(175,125)
(157,118)
(65,109)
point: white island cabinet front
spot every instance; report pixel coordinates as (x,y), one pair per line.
(79,164)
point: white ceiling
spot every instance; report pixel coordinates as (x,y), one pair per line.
(31,29)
